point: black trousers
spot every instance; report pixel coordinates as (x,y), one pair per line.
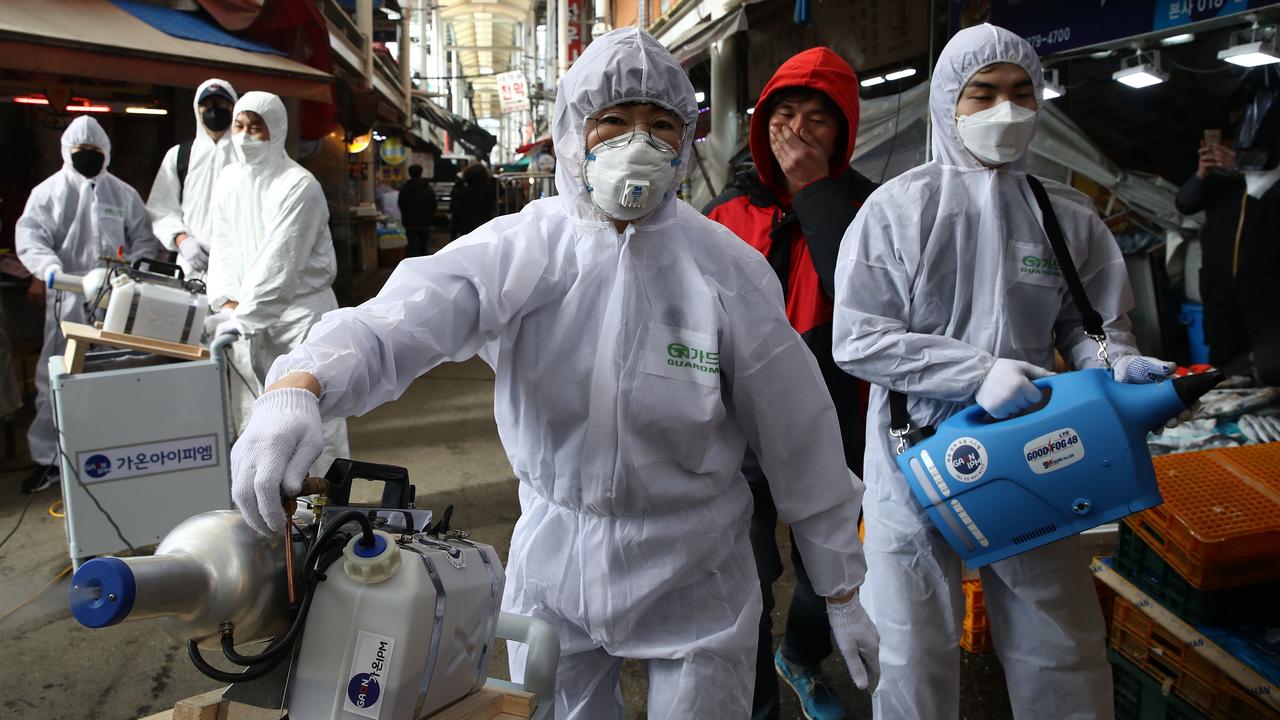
(1242,317)
(807,639)
(417,237)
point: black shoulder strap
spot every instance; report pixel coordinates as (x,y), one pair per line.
(900,422)
(184,162)
(1089,318)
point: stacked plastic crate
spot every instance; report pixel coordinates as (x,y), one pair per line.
(1208,558)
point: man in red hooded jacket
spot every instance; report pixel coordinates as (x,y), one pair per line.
(794,208)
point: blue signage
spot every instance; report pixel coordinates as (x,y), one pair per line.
(1058,27)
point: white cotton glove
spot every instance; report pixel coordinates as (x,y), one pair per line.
(858,640)
(1007,388)
(273,455)
(1140,369)
(229,326)
(194,252)
(211,322)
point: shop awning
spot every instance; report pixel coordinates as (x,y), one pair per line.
(473,137)
(94,39)
(699,38)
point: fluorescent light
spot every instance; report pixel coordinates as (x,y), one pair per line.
(137,110)
(1182,39)
(88,107)
(1250,54)
(872,82)
(1141,70)
(699,96)
(1139,77)
(751,111)
(31,100)
(900,74)
(1050,93)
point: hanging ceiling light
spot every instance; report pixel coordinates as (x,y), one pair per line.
(1052,88)
(145,110)
(1141,70)
(1181,39)
(1252,47)
(872,81)
(900,74)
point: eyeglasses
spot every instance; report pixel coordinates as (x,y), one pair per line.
(617,128)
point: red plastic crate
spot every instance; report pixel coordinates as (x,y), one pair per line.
(1219,526)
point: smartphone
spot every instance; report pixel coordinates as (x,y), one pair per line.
(1212,137)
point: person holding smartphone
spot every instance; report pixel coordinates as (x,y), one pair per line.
(1240,198)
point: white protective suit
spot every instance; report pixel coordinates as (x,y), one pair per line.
(192,215)
(69,222)
(930,289)
(271,253)
(633,370)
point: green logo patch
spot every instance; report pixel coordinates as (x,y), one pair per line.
(681,355)
(1036,265)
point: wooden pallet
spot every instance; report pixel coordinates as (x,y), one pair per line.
(488,703)
(80,336)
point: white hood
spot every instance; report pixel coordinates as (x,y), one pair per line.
(85,130)
(625,65)
(195,106)
(273,113)
(969,51)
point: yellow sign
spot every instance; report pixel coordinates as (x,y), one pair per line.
(392,151)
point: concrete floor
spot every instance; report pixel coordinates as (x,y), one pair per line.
(443,431)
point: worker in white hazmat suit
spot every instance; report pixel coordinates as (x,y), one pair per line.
(934,300)
(182,194)
(77,215)
(272,264)
(639,348)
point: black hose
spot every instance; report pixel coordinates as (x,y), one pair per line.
(281,643)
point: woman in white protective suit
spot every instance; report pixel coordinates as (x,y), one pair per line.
(932,301)
(639,348)
(77,215)
(271,261)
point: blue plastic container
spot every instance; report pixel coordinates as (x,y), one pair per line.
(1193,318)
(997,488)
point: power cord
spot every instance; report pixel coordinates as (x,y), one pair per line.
(8,613)
(18,524)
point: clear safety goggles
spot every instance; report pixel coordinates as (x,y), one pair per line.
(615,128)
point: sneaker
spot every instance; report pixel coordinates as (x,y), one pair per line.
(40,478)
(817,699)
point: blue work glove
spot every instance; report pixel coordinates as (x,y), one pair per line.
(1140,369)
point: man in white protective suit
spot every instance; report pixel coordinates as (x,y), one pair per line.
(931,302)
(182,194)
(639,349)
(272,263)
(77,215)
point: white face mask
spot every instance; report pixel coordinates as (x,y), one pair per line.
(252,150)
(998,135)
(629,182)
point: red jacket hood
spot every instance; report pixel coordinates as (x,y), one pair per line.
(820,69)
